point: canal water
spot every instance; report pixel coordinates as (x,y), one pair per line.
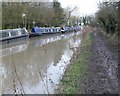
(36,65)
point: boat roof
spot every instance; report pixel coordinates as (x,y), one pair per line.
(11,29)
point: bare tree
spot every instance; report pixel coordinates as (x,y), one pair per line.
(68,13)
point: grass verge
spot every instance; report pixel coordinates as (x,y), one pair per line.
(70,83)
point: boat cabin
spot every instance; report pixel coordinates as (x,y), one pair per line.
(13,33)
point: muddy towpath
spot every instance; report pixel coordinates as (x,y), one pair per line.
(95,70)
(101,76)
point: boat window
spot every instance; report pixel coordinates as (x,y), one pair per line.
(18,32)
(14,33)
(23,31)
(53,30)
(41,30)
(0,34)
(46,30)
(5,34)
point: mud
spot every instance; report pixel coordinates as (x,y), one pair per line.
(101,75)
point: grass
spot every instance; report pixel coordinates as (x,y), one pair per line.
(70,83)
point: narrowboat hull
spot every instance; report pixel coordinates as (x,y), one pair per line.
(34,34)
(7,35)
(16,37)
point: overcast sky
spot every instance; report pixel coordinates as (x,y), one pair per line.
(85,7)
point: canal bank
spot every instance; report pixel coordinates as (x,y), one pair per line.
(70,83)
(95,69)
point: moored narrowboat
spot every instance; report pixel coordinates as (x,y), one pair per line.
(9,34)
(36,31)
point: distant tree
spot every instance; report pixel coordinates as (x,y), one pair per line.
(59,17)
(68,14)
(107,16)
(29,14)
(74,20)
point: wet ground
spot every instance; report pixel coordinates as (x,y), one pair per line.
(36,65)
(102,72)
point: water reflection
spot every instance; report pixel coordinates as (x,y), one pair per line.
(40,64)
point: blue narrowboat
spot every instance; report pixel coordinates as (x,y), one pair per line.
(51,29)
(36,31)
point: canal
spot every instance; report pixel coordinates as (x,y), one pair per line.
(36,65)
